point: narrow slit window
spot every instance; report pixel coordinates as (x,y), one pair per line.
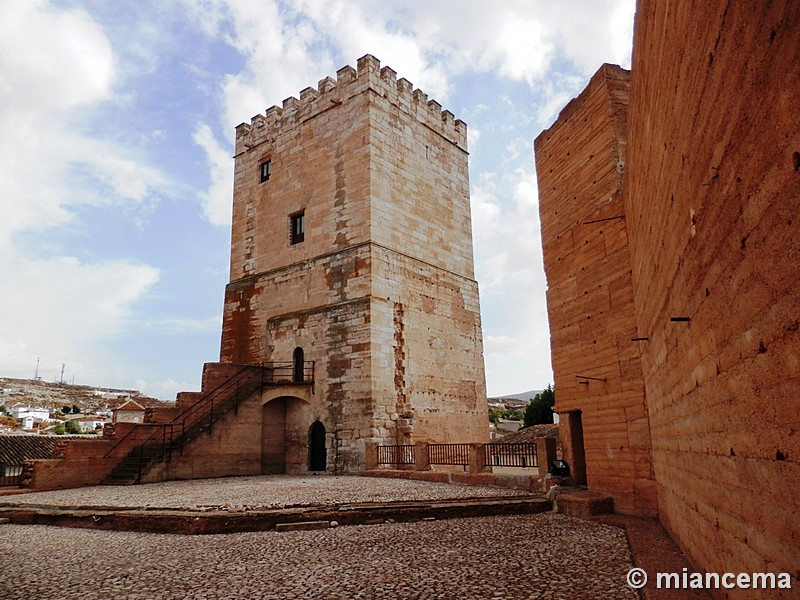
(266,170)
(297,223)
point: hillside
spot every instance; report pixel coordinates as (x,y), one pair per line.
(52,396)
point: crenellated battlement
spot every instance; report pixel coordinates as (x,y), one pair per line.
(369,75)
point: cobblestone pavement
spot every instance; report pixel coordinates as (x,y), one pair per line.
(257,493)
(496,558)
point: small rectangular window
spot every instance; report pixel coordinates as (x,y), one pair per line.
(297,222)
(266,170)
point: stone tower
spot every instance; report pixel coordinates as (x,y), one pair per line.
(351,254)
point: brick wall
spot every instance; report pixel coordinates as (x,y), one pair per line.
(712,198)
(579,163)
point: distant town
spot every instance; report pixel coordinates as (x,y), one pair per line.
(33,406)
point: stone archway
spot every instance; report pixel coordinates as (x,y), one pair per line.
(317,452)
(284,435)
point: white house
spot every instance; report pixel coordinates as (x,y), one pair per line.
(88,424)
(29,417)
(129,412)
(20,412)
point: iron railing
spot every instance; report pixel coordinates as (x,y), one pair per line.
(150,441)
(495,455)
(396,454)
(510,455)
(289,372)
(203,414)
(448,454)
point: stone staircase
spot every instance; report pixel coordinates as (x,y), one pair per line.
(165,439)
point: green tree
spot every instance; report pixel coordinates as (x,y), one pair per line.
(66,409)
(511,414)
(76,409)
(72,427)
(59,429)
(540,409)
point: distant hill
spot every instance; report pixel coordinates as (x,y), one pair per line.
(53,396)
(525,396)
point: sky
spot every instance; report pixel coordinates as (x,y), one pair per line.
(116,135)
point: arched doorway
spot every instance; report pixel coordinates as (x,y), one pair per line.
(298,359)
(284,441)
(317,453)
(273,437)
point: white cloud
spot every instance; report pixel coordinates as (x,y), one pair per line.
(93,303)
(550,47)
(509,270)
(43,92)
(51,58)
(621,32)
(165,389)
(216,201)
(56,65)
(180,326)
(280,48)
(69,64)
(288,45)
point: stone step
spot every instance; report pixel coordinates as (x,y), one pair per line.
(584,504)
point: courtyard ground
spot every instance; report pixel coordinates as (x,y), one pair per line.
(495,557)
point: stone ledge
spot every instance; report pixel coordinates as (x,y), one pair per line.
(190,522)
(516,482)
(584,504)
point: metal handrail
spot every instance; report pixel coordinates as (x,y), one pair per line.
(237,387)
(136,430)
(220,389)
(182,417)
(241,380)
(287,372)
(229,385)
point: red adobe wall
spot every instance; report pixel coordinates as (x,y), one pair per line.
(79,463)
(579,164)
(713,202)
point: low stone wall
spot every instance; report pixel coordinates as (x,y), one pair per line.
(475,472)
(528,483)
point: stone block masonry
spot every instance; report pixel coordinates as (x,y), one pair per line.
(352,241)
(351,276)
